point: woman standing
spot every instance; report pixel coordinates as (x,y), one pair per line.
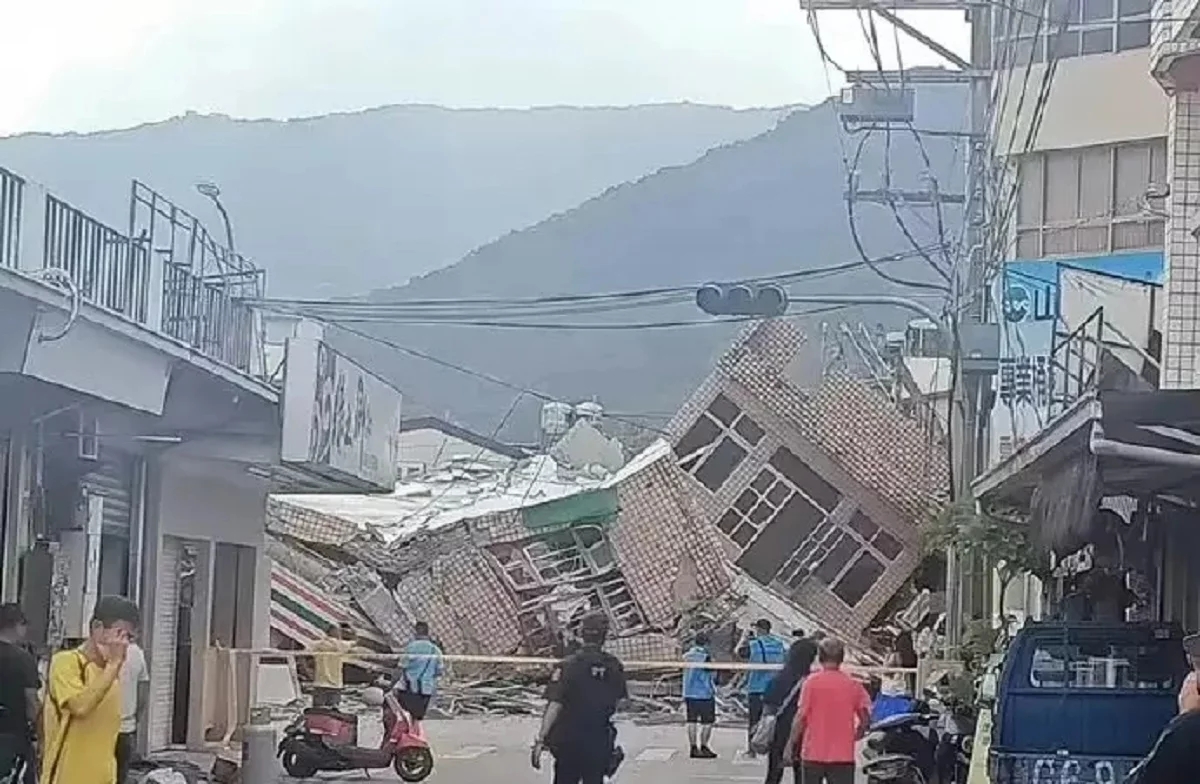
(780,700)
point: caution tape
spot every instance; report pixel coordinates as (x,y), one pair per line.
(538,661)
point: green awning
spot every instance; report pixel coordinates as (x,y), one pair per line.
(593,507)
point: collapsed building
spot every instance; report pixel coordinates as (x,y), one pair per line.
(768,501)
(500,559)
(816,494)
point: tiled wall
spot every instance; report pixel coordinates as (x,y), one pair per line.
(849,434)
(1181,343)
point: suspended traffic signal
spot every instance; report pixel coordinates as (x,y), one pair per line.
(765,301)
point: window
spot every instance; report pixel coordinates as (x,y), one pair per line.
(718,442)
(1033,31)
(870,531)
(757,504)
(826,553)
(1090,201)
(808,481)
(858,579)
(1082,663)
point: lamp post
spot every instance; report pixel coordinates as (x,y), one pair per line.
(213,193)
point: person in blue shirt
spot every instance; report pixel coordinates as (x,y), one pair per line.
(420,672)
(759,647)
(700,698)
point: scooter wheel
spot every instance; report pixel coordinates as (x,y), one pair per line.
(296,766)
(413,764)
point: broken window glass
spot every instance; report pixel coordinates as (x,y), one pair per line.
(713,472)
(595,547)
(618,603)
(692,447)
(515,566)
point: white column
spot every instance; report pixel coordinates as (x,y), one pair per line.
(1181,338)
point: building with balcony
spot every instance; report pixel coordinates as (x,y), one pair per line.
(139,439)
(1080,130)
(1101,465)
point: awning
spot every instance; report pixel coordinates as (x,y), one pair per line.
(1142,443)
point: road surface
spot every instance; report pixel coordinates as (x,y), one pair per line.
(469,751)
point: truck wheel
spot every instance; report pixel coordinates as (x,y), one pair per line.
(414,764)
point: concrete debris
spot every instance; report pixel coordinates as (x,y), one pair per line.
(503,561)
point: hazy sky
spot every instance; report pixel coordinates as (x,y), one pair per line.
(93,64)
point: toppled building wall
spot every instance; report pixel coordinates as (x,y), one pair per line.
(515,569)
(817,494)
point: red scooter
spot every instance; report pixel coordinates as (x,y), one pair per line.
(324,739)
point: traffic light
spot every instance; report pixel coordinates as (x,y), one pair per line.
(766,301)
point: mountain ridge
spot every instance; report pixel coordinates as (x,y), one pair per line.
(384,193)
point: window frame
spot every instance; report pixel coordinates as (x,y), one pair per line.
(1035,236)
(1044,18)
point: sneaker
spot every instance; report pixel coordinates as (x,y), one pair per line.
(707,753)
(696,753)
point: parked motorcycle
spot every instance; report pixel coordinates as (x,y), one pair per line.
(326,740)
(956,734)
(902,749)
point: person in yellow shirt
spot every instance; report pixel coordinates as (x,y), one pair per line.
(81,711)
(329,659)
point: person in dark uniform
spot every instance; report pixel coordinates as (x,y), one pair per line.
(581,698)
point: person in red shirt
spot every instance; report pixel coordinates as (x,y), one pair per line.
(834,713)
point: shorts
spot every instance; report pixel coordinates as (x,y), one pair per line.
(701,711)
(416,704)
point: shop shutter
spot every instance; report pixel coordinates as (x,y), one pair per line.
(112,478)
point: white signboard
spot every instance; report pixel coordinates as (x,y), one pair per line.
(339,420)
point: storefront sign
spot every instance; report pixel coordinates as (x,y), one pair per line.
(339,420)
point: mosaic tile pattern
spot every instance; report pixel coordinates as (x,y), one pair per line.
(848,433)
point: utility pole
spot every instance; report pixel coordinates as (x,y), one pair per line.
(975,345)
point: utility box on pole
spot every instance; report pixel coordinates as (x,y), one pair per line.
(864,103)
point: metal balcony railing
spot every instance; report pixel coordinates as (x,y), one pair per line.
(12,190)
(166,273)
(204,283)
(110,270)
(1075,362)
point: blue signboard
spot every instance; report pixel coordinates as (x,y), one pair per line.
(1028,298)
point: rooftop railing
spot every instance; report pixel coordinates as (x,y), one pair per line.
(165,273)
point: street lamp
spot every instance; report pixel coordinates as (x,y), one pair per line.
(213,193)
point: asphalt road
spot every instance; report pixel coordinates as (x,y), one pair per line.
(468,751)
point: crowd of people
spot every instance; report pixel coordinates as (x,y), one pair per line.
(78,724)
(812,718)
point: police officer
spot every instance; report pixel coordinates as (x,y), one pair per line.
(580,701)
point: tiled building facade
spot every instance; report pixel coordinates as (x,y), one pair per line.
(818,494)
(1175,61)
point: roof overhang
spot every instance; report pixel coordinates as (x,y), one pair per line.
(1145,443)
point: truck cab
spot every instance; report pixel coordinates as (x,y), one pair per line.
(1083,702)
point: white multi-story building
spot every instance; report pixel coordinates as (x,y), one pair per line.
(1082,128)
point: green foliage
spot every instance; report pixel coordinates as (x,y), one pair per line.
(1000,542)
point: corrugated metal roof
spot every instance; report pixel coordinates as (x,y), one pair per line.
(457,492)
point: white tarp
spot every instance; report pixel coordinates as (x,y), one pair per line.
(1131,309)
